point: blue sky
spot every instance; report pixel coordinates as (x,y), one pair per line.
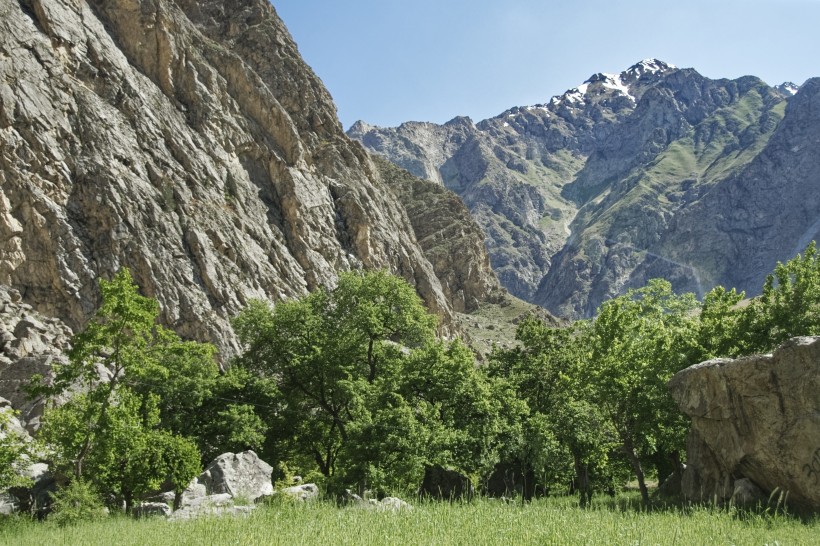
(389,61)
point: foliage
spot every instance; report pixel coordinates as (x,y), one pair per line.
(76,503)
(361,390)
(113,431)
(14,454)
(789,305)
(634,346)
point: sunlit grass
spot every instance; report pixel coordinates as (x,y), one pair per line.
(549,521)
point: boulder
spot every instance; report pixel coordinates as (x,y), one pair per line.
(35,499)
(211,505)
(242,475)
(151,509)
(446,483)
(757,418)
(303,492)
(746,493)
(670,488)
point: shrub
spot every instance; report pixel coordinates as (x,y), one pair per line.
(75,503)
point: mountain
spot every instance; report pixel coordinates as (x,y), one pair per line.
(188,141)
(655,171)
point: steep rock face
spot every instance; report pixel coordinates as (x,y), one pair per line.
(655,171)
(189,142)
(30,343)
(450,238)
(754,418)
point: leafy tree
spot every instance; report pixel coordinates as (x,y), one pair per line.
(14,454)
(360,389)
(719,329)
(122,362)
(562,435)
(789,305)
(636,343)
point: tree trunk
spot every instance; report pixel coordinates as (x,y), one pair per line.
(629,449)
(581,482)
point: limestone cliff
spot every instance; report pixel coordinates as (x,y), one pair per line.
(189,142)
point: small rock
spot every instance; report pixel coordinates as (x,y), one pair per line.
(395,504)
(304,492)
(746,493)
(212,505)
(151,509)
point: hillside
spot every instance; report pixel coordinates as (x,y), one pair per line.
(656,171)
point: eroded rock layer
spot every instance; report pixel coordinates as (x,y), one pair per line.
(189,142)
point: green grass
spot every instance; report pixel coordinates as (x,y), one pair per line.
(550,521)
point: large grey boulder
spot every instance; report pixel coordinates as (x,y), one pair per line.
(758,418)
(242,475)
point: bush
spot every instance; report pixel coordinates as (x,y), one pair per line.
(75,503)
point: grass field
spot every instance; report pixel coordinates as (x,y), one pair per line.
(551,521)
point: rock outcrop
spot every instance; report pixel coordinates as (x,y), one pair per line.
(242,475)
(189,142)
(653,172)
(754,419)
(30,343)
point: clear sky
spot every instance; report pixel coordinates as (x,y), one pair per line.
(389,61)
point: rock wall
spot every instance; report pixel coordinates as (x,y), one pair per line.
(757,418)
(189,142)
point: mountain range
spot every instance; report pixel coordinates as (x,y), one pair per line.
(656,171)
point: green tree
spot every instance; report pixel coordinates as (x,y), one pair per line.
(14,454)
(360,389)
(562,435)
(635,344)
(121,363)
(788,306)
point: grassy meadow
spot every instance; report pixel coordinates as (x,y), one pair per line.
(546,521)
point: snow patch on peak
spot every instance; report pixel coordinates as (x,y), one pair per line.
(789,87)
(614,82)
(648,66)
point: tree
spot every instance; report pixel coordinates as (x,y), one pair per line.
(789,305)
(361,390)
(563,436)
(14,454)
(635,344)
(111,433)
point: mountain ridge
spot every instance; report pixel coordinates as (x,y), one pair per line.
(571,191)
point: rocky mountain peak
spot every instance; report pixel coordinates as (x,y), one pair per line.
(788,88)
(602,187)
(648,66)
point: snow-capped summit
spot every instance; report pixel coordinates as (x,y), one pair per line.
(619,83)
(788,87)
(648,66)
